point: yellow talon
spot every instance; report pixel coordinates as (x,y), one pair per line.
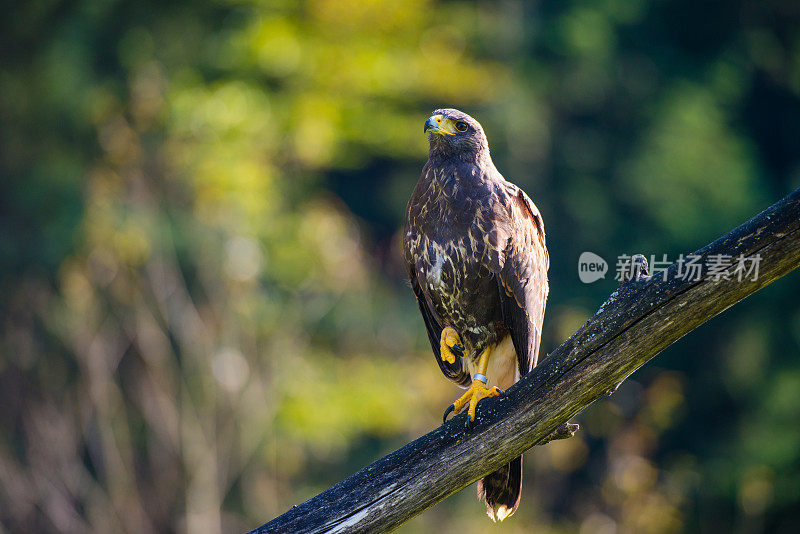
(478,390)
(450,345)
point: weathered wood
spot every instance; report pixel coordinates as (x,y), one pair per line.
(638,321)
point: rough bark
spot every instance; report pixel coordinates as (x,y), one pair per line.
(645,315)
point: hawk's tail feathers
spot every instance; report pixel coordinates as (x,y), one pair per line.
(502,489)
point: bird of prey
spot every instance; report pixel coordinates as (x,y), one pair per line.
(475,253)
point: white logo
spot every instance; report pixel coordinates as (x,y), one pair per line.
(591,267)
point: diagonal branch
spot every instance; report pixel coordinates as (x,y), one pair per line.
(639,320)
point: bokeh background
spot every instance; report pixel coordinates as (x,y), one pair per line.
(203,309)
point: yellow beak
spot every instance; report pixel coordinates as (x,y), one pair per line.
(438,124)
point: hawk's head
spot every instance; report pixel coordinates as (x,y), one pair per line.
(454,133)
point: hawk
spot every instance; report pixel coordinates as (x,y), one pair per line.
(474,249)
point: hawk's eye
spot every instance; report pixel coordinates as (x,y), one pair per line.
(462,126)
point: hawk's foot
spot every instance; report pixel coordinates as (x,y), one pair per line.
(450,345)
(476,392)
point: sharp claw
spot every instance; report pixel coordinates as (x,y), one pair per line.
(447,412)
(458,350)
(470,422)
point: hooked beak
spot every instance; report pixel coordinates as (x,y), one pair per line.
(438,124)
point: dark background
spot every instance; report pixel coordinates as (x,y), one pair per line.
(204,314)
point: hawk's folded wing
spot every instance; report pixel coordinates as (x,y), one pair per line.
(457,371)
(521,270)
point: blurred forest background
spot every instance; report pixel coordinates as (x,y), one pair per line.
(204,314)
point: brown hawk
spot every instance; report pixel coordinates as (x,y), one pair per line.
(475,253)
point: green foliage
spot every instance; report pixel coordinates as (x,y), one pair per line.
(203,310)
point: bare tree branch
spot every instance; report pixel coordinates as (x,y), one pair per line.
(645,315)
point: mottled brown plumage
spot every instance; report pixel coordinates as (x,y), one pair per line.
(474,249)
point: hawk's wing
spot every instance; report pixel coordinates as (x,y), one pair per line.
(521,271)
(456,371)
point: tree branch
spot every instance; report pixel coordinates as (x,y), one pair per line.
(645,315)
